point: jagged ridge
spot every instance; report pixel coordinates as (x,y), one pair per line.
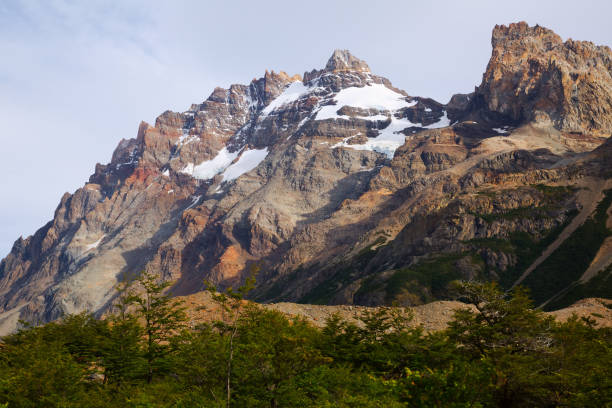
(340,187)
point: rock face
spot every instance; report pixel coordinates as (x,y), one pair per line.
(534,76)
(338,187)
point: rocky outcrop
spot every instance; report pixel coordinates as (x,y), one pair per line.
(338,187)
(343,60)
(534,76)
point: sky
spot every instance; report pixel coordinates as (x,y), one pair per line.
(78,76)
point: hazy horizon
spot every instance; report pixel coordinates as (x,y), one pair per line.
(76,77)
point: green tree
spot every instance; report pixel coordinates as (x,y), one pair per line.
(163,318)
(272,351)
(461,384)
(581,363)
(343,387)
(232,306)
(508,334)
(201,362)
(37,370)
(122,354)
(504,322)
(383,342)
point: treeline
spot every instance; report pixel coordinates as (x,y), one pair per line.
(144,355)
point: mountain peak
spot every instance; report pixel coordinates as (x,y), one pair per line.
(522,33)
(533,74)
(343,60)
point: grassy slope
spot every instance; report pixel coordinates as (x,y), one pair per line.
(599,286)
(567,264)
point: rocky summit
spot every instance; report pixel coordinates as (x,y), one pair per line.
(341,189)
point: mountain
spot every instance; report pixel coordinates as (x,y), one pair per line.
(342,189)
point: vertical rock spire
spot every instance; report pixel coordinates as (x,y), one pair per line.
(343,60)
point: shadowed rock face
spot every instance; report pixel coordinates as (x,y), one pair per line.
(332,185)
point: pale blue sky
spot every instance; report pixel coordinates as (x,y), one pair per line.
(77,76)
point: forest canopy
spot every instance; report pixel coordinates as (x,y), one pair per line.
(506,354)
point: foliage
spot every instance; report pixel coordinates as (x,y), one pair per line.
(120,349)
(163,317)
(501,353)
(532,357)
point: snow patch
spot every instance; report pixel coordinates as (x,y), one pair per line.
(374,117)
(210,168)
(188,169)
(186,138)
(373,96)
(299,126)
(389,139)
(251,102)
(247,162)
(93,245)
(132,159)
(166,173)
(380,98)
(194,201)
(291,94)
(500,131)
(443,122)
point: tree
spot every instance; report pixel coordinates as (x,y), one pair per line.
(461,384)
(272,351)
(511,336)
(36,369)
(231,303)
(122,359)
(502,322)
(163,318)
(582,363)
(380,343)
(200,362)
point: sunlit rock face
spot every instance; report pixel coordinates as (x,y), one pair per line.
(534,76)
